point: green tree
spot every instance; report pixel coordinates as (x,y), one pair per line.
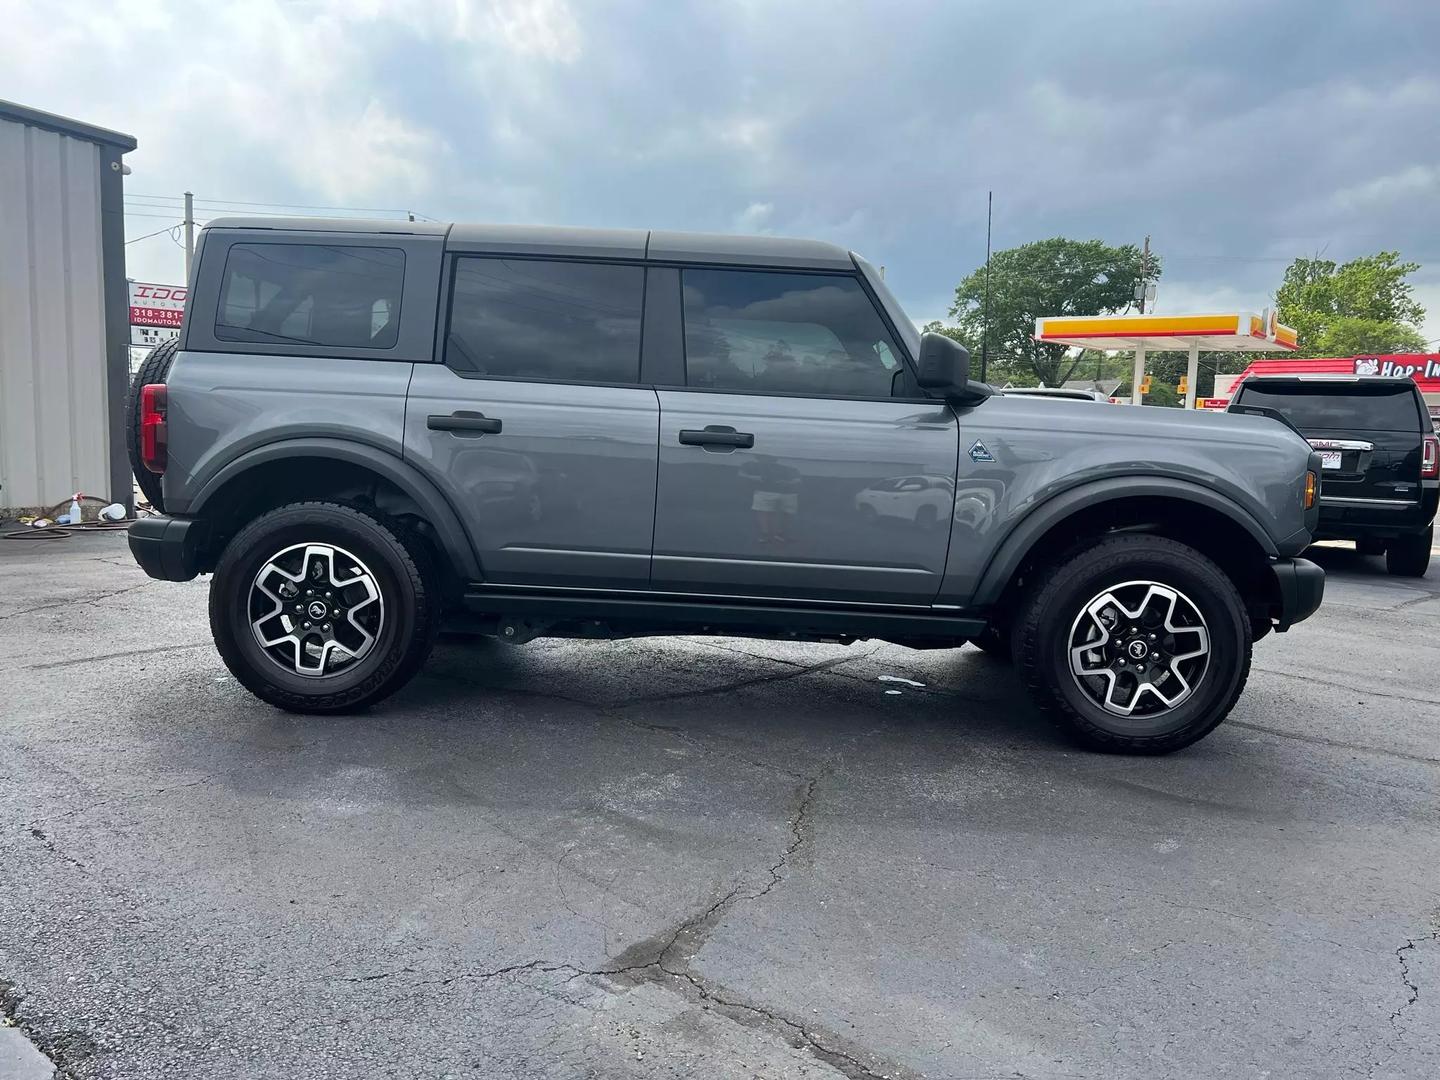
(1362,306)
(1049,277)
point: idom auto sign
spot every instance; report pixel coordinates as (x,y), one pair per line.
(156,312)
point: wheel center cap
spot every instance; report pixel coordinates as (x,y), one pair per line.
(317,609)
(1137,649)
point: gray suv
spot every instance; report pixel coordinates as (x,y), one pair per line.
(367,431)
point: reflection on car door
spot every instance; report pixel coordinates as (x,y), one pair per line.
(782,461)
(553,471)
(784,516)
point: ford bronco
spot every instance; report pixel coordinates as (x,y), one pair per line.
(367,431)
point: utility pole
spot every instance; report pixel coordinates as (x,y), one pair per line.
(189,233)
(985,312)
(1144,273)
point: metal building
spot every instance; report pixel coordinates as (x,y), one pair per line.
(64,324)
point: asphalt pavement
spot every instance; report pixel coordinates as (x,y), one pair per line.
(714,858)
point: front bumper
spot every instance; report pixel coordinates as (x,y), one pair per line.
(1300,585)
(167,548)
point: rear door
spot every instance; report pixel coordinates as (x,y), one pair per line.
(783,459)
(1369,434)
(535,424)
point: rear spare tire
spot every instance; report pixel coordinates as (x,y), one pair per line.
(1135,643)
(154,369)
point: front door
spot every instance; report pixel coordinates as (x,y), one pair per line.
(789,468)
(530,425)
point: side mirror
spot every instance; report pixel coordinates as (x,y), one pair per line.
(944,366)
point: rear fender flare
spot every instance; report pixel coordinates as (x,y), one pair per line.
(433,504)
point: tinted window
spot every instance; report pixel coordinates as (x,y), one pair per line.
(785,333)
(1338,405)
(340,297)
(528,319)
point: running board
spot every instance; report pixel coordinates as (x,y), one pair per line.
(692,615)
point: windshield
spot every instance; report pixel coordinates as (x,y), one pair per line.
(1308,406)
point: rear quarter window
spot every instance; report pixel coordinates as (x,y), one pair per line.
(311,294)
(1354,405)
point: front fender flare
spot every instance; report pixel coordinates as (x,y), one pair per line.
(433,504)
(1024,535)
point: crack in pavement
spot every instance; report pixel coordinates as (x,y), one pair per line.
(1343,686)
(1411,987)
(798,833)
(1337,744)
(664,959)
(133,796)
(759,680)
(118,655)
(49,844)
(88,601)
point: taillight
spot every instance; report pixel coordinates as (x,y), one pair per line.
(1312,488)
(154,439)
(1430,459)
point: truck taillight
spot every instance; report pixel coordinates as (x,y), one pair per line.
(1430,459)
(154,439)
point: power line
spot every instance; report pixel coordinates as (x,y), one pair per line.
(290,206)
(157,232)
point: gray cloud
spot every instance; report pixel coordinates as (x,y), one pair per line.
(1237,134)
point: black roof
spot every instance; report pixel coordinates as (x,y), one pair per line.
(656,244)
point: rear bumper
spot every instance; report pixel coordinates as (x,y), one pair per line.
(1300,585)
(1348,518)
(167,548)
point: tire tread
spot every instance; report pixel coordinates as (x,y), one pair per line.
(1107,553)
(415,561)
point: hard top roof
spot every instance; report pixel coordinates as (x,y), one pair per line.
(657,245)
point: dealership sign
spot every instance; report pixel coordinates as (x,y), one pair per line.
(156,312)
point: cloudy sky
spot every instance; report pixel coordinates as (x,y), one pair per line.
(1237,134)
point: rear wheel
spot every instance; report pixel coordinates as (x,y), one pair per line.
(1135,643)
(1409,556)
(319,608)
(154,369)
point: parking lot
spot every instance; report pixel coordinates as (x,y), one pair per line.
(717,858)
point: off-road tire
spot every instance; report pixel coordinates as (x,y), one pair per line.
(409,584)
(1409,556)
(1051,604)
(154,369)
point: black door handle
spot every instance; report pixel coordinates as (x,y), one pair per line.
(717,436)
(479,423)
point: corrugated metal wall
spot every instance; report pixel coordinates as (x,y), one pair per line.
(55,412)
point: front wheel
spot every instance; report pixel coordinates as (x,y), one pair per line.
(1135,643)
(1409,556)
(322,608)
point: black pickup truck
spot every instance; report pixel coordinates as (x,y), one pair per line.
(1380,459)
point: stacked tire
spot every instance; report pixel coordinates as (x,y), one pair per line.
(155,369)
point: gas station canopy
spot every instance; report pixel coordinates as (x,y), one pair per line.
(1230,331)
